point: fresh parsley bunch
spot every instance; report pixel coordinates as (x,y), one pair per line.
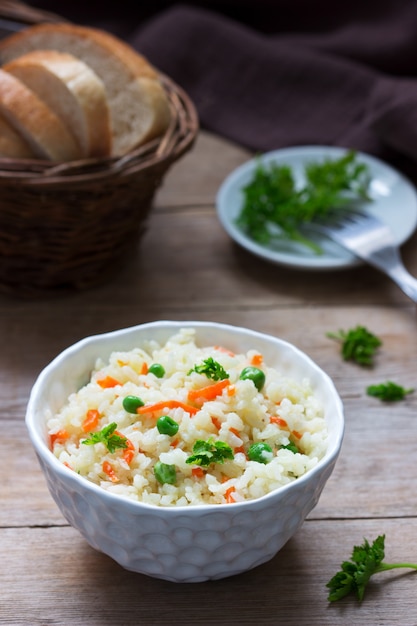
(211,368)
(388,392)
(357,344)
(366,560)
(275,207)
(210,451)
(107,436)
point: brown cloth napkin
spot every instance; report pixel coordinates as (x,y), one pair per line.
(276,73)
(267,92)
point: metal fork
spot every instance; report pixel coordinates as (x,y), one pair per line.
(371,240)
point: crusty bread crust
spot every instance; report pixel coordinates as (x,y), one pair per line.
(131,83)
(73,91)
(12,145)
(35,121)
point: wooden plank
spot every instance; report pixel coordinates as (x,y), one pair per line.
(51,576)
(25,499)
(191,244)
(195,179)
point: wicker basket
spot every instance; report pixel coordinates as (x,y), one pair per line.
(68,225)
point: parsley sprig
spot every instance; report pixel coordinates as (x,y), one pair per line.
(107,436)
(366,560)
(357,344)
(210,451)
(275,207)
(388,392)
(211,368)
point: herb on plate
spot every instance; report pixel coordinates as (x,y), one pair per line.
(107,436)
(211,368)
(210,451)
(388,392)
(354,575)
(358,344)
(275,207)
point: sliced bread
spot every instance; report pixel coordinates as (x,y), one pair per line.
(73,91)
(137,101)
(12,145)
(45,133)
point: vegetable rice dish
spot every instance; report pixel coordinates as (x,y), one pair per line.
(179,424)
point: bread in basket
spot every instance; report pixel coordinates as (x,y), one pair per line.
(68,223)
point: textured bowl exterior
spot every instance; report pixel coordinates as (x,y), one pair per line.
(180,544)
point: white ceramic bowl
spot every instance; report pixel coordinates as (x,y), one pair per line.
(181,544)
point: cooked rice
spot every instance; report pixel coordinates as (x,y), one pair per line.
(239,416)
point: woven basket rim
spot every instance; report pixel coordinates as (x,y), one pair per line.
(170,146)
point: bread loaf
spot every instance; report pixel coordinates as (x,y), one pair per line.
(12,145)
(138,103)
(40,127)
(73,91)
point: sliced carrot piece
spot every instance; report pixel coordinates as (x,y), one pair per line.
(59,436)
(144,368)
(129,451)
(108,382)
(229,495)
(108,469)
(208,393)
(91,420)
(166,404)
(257,359)
(225,350)
(216,422)
(198,472)
(231,390)
(279,421)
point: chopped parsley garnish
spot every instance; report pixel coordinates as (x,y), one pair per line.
(210,451)
(388,392)
(211,368)
(276,208)
(107,436)
(354,575)
(358,344)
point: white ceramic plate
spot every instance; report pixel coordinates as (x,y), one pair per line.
(394,201)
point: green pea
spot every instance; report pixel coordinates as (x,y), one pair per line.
(260,452)
(157,370)
(165,473)
(132,403)
(255,375)
(167,426)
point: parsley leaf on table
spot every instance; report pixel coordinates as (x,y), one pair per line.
(107,436)
(354,575)
(358,344)
(388,392)
(275,207)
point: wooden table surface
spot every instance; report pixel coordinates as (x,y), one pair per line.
(186,267)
